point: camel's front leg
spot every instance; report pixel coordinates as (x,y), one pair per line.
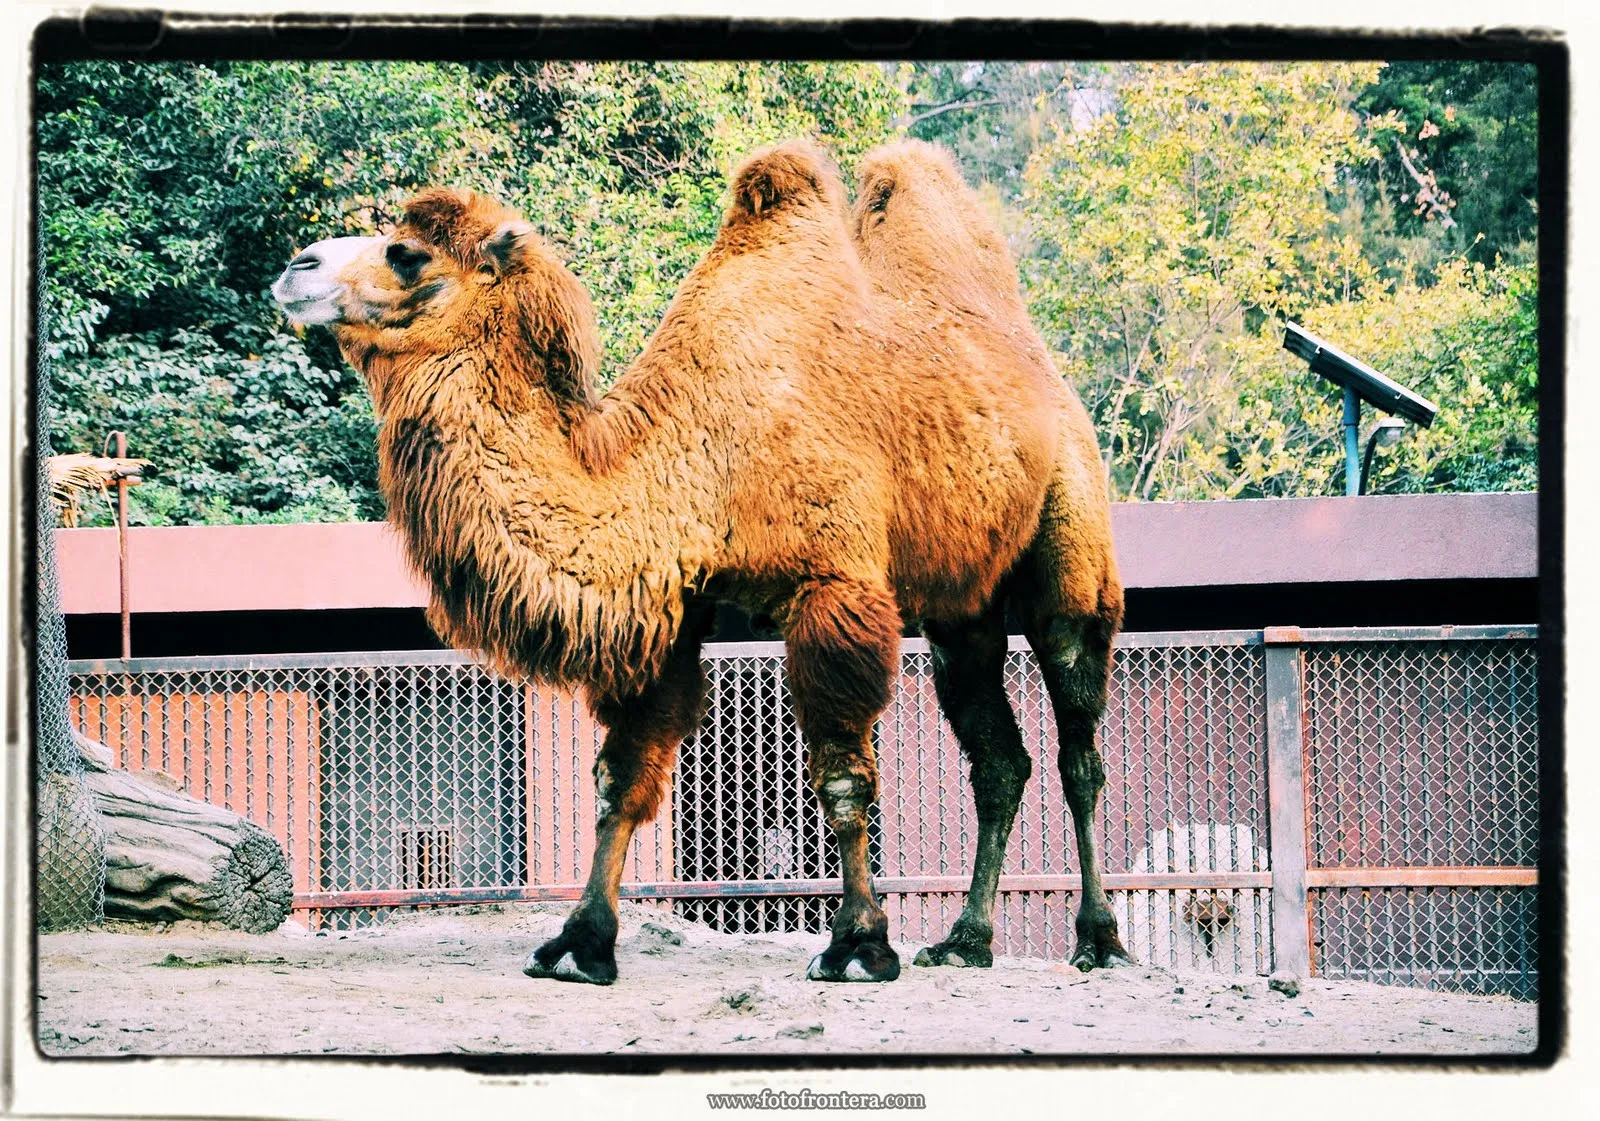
(843,646)
(643,731)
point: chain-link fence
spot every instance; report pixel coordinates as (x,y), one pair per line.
(70,868)
(419,779)
(1424,754)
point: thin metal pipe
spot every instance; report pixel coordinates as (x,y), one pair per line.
(1366,458)
(715,651)
(924,885)
(122,548)
(1422,876)
(1352,443)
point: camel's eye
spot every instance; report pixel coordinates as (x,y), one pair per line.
(880,199)
(406,258)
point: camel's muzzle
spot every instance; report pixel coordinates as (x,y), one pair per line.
(311,290)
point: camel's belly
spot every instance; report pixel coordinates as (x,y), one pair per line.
(937,498)
(949,556)
(966,512)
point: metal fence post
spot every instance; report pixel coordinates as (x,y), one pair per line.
(1286,801)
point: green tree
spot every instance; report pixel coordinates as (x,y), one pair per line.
(1465,337)
(995,115)
(1461,167)
(1174,228)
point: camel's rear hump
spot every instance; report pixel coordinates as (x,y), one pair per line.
(918,226)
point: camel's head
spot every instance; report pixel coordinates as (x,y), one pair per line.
(450,248)
(459,271)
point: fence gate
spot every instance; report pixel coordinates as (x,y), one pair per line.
(1353,803)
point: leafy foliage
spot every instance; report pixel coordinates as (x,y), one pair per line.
(1175,237)
(1166,231)
(1466,340)
(283,439)
(995,115)
(1167,217)
(1470,131)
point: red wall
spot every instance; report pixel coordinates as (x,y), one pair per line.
(1159,545)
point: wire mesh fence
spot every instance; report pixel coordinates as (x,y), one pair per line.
(1467,939)
(420,779)
(1424,754)
(70,864)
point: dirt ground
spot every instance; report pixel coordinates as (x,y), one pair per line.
(451,981)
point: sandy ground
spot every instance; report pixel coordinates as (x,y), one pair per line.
(451,981)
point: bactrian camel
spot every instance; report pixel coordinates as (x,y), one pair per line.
(844,423)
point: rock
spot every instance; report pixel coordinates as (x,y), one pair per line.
(656,930)
(655,939)
(743,1002)
(800,1031)
(1284,982)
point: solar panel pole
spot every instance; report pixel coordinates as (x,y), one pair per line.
(1352,442)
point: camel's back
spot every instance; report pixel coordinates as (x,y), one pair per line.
(867,436)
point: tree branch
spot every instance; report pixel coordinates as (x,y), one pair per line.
(1429,194)
(949,107)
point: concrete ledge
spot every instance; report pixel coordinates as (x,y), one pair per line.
(1159,545)
(1328,540)
(304,567)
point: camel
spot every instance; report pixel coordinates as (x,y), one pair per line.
(792,440)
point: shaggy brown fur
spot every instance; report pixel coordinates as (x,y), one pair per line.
(789,441)
(929,248)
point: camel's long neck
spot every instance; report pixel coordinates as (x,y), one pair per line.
(550,568)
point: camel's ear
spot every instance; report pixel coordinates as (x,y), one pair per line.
(506,248)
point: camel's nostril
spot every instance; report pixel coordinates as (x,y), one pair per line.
(305,261)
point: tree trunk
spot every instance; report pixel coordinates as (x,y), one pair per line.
(169,856)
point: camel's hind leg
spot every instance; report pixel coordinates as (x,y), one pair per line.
(643,731)
(1071,602)
(969,676)
(843,642)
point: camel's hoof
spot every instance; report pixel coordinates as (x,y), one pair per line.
(959,954)
(561,960)
(863,961)
(1100,951)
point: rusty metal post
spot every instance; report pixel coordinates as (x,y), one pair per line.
(122,547)
(1286,801)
